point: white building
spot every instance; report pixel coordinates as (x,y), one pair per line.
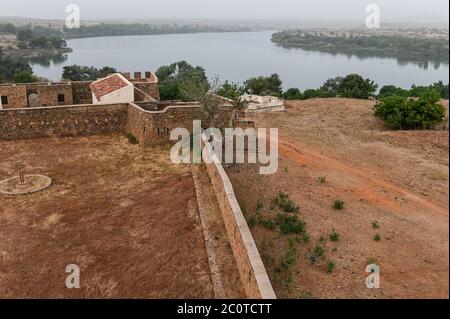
(258,103)
(114,88)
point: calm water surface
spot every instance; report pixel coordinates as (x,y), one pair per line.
(238,56)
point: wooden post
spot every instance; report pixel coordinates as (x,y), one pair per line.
(22,178)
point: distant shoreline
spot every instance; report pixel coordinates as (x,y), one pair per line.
(419,46)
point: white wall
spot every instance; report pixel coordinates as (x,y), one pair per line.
(124,95)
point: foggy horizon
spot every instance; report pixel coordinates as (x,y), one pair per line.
(322,10)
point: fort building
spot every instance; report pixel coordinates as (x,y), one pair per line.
(43,94)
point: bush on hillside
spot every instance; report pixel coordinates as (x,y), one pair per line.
(404,113)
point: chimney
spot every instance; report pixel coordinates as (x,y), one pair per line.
(137,75)
(127,75)
(148,75)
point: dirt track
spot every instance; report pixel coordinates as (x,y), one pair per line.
(399,179)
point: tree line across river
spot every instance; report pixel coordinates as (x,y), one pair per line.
(417,48)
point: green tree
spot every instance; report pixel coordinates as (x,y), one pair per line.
(85,73)
(172,76)
(25,77)
(207,95)
(10,66)
(354,86)
(271,85)
(233,92)
(389,90)
(332,87)
(105,71)
(292,94)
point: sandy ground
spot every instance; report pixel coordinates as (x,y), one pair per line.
(124,214)
(398,179)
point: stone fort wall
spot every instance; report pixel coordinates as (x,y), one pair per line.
(62,121)
(251,268)
(150,127)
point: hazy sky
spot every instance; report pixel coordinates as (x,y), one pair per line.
(258,9)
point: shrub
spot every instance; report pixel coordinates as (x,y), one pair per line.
(410,114)
(290,224)
(259,204)
(267,223)
(312,258)
(132,139)
(283,201)
(319,251)
(334,236)
(375,224)
(286,204)
(289,207)
(252,221)
(330,266)
(322,179)
(339,204)
(377,237)
(306,238)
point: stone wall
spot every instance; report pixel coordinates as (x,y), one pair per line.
(81,92)
(253,274)
(16,95)
(149,88)
(62,121)
(154,127)
(149,127)
(48,94)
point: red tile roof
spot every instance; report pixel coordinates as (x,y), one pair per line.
(108,85)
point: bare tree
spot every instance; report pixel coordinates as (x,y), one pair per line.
(207,96)
(216,99)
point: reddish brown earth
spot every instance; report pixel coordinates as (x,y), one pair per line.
(124,214)
(399,179)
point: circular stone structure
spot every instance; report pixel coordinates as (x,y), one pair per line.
(33,183)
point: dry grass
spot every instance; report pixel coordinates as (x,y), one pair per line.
(399,179)
(112,210)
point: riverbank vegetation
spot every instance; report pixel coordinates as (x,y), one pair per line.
(53,35)
(112,30)
(29,37)
(420,46)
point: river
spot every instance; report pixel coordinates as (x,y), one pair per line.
(237,57)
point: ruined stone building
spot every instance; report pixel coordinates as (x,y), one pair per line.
(43,94)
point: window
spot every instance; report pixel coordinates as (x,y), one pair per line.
(61,98)
(4,100)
